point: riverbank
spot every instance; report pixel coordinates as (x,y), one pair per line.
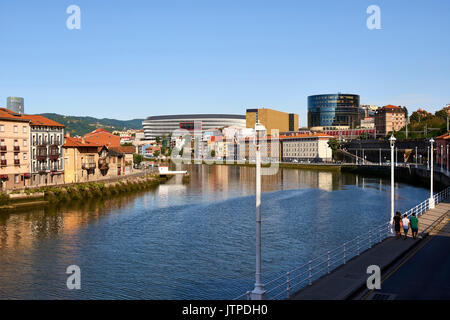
(44,196)
(282,165)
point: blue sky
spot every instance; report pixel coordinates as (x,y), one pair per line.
(133,59)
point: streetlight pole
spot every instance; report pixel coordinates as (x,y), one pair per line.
(416,157)
(258,293)
(431,176)
(442,154)
(380,156)
(392,142)
(447,158)
(428,158)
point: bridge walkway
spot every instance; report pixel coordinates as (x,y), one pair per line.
(349,279)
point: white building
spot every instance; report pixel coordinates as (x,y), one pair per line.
(306,148)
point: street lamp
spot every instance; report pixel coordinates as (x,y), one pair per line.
(446,156)
(442,154)
(258,293)
(428,158)
(392,142)
(431,175)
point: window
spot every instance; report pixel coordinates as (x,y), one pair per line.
(16,129)
(25,143)
(24,129)
(2,128)
(16,178)
(25,156)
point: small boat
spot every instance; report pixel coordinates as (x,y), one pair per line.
(164,171)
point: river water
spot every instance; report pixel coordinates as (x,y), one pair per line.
(189,241)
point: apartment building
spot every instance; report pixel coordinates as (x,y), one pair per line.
(46,150)
(388,119)
(14,150)
(80,160)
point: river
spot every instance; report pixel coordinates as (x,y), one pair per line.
(189,241)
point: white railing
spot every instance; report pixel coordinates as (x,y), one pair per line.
(289,283)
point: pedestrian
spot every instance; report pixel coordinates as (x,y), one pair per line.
(397,224)
(414,223)
(405,223)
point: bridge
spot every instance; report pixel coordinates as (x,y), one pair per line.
(341,272)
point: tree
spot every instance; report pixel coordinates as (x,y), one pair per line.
(158,140)
(126,144)
(334,145)
(213,153)
(138,158)
(156,153)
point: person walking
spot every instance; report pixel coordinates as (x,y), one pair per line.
(414,223)
(397,224)
(405,223)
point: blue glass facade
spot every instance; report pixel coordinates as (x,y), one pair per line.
(330,110)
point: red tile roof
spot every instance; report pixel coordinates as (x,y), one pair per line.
(124,149)
(103,138)
(35,120)
(390,106)
(72,142)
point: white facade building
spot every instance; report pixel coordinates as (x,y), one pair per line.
(310,148)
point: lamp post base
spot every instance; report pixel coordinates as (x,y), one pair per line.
(432,204)
(258,294)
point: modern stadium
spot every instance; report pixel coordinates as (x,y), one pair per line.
(157,126)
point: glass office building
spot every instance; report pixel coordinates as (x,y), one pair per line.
(15,104)
(334,110)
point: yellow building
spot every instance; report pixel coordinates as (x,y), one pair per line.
(14,150)
(272,119)
(80,160)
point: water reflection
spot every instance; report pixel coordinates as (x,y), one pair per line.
(192,240)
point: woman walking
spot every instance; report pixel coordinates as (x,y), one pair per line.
(405,223)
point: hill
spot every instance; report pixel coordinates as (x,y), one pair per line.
(82,125)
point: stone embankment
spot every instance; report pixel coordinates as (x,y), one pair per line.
(37,197)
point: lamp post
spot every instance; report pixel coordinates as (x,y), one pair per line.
(428,158)
(446,156)
(416,157)
(431,175)
(258,293)
(392,142)
(442,154)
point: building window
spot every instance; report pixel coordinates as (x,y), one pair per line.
(25,143)
(16,129)
(16,179)
(2,128)
(25,156)
(24,129)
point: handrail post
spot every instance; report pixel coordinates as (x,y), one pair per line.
(345,251)
(288,285)
(328,261)
(310,272)
(357,241)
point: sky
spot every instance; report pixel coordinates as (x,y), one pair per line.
(134,59)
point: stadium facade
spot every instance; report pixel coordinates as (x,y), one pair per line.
(157,126)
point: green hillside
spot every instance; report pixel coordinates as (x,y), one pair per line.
(82,125)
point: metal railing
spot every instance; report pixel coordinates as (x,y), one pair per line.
(289,283)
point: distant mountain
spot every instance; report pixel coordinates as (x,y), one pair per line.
(82,125)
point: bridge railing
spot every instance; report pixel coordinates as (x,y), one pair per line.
(287,284)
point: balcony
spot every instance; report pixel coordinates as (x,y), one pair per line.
(43,169)
(41,157)
(54,153)
(16,162)
(16,149)
(3,163)
(2,148)
(89,165)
